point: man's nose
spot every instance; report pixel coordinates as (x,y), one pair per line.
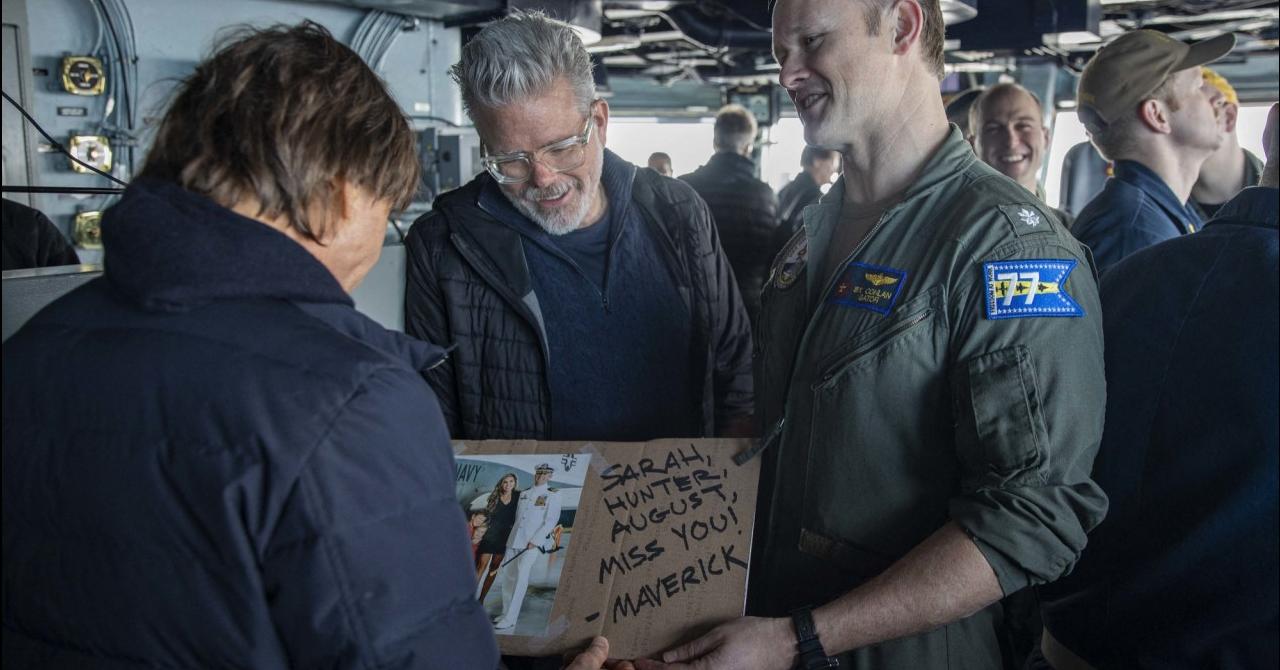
(1010,136)
(540,175)
(793,75)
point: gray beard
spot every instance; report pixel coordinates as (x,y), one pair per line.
(558,223)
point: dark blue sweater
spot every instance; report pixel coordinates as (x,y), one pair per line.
(617,328)
(1185,570)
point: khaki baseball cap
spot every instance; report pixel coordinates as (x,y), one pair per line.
(1128,70)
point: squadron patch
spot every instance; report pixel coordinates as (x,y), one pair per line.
(793,260)
(540,501)
(1027,288)
(869,287)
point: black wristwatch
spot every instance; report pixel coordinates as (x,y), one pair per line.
(812,655)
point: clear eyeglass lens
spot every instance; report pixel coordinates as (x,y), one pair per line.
(518,168)
(565,158)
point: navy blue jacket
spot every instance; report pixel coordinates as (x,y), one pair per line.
(1135,210)
(211,460)
(1185,570)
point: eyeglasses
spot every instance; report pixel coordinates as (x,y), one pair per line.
(567,154)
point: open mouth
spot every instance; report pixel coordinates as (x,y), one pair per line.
(809,101)
(1014,159)
(549,198)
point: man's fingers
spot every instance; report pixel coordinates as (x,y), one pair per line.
(594,657)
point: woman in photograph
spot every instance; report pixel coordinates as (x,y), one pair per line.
(502,516)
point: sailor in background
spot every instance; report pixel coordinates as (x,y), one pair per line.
(536,517)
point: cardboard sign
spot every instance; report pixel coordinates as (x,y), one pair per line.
(645,543)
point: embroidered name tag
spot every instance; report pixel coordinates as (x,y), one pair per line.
(541,501)
(869,287)
(1025,288)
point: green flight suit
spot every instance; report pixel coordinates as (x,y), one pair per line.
(903,404)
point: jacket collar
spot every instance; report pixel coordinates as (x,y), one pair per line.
(727,161)
(949,162)
(1140,176)
(1254,206)
(170,249)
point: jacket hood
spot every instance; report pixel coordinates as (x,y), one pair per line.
(169,249)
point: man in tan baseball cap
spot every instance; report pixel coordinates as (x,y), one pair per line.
(1147,108)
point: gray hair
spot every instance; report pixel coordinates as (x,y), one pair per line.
(519,56)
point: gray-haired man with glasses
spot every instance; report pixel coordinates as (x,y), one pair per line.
(587,299)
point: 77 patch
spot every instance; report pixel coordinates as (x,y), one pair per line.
(1027,288)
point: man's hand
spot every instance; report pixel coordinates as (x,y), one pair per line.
(749,642)
(596,657)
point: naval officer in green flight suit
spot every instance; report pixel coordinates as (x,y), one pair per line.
(929,373)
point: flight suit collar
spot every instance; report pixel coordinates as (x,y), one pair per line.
(949,162)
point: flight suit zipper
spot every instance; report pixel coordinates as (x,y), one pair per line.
(834,369)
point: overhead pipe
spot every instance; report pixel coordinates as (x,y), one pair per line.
(701,28)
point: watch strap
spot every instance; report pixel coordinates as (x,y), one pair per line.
(811,654)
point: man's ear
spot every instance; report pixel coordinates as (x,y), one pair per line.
(1154,114)
(908,23)
(338,211)
(600,113)
(1232,113)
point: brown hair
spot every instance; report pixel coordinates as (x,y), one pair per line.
(280,115)
(1119,138)
(932,33)
(735,128)
(496,495)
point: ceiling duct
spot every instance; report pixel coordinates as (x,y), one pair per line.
(718,32)
(958,11)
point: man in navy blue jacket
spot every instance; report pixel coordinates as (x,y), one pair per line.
(210,458)
(1148,110)
(1185,570)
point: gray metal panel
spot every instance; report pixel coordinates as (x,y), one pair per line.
(18,141)
(26,292)
(172,37)
(381,295)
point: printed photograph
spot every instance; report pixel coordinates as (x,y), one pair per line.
(520,510)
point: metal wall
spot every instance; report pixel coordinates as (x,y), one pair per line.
(172,36)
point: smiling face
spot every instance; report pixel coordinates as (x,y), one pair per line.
(541,478)
(507,484)
(836,73)
(559,202)
(1009,135)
